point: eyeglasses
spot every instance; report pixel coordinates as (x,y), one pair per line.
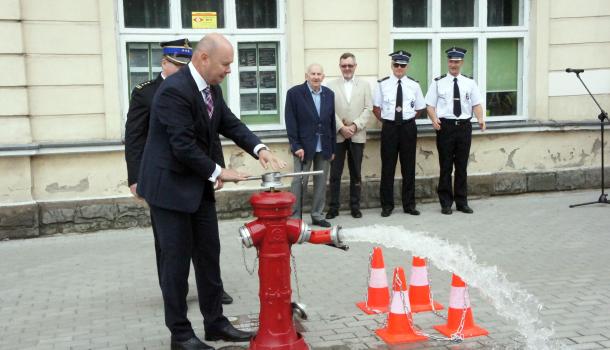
(396,65)
(347,66)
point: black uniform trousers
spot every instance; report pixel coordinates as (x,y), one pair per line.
(453,145)
(183,236)
(398,140)
(354,152)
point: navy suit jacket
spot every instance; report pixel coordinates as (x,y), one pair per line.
(303,122)
(182,150)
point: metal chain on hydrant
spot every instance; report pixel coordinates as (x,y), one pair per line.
(243,254)
(296,277)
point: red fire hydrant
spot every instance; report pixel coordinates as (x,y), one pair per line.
(273,233)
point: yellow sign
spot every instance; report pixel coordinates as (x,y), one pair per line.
(204,20)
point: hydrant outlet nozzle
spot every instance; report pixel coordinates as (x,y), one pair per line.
(246,237)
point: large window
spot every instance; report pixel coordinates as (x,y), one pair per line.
(493,31)
(254,89)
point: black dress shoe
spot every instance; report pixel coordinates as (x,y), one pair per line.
(465,209)
(322,223)
(446,210)
(411,211)
(227,333)
(332,214)
(386,212)
(226,298)
(192,344)
(356,213)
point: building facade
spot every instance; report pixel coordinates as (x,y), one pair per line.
(70,66)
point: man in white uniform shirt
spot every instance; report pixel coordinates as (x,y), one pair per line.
(398,101)
(452,99)
(353,107)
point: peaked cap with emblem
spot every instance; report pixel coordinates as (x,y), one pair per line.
(401,57)
(177,51)
(456,53)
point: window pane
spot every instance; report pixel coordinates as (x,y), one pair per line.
(146,13)
(141,64)
(502,76)
(468,44)
(418,65)
(256,13)
(410,13)
(258,82)
(214,6)
(457,13)
(502,13)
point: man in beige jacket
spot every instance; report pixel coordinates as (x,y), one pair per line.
(353,108)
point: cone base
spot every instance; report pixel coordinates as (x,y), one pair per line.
(426,307)
(398,338)
(474,331)
(299,344)
(371,310)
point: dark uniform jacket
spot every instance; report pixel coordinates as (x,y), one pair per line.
(181,152)
(136,128)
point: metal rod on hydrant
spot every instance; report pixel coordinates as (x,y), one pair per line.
(273,233)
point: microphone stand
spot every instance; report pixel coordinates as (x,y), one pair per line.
(603,198)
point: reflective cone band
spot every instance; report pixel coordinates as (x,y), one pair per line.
(399,327)
(459,303)
(419,288)
(378,296)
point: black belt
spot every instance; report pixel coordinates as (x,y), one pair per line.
(407,121)
(445,121)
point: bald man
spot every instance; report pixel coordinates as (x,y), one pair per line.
(177,179)
(310,123)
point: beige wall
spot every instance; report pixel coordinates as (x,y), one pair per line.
(63,86)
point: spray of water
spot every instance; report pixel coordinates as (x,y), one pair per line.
(506,297)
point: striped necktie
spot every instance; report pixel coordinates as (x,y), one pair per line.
(208,101)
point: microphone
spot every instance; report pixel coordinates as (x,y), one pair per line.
(574,70)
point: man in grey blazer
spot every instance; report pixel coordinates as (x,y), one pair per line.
(353,108)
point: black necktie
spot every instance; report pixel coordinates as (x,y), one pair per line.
(398,111)
(457,105)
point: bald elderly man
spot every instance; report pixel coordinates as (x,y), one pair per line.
(177,179)
(310,124)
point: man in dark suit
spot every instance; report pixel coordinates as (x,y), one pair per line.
(177,177)
(176,54)
(310,123)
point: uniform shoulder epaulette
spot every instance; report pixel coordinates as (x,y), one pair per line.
(382,79)
(439,78)
(469,76)
(417,81)
(141,85)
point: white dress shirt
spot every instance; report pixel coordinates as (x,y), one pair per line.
(440,96)
(385,97)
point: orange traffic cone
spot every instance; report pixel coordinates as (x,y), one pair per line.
(419,288)
(399,328)
(378,295)
(459,307)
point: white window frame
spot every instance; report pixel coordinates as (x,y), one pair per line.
(479,34)
(231,32)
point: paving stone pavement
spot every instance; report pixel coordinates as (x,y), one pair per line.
(100,290)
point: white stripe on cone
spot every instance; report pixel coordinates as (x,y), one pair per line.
(458,298)
(400,299)
(378,279)
(419,276)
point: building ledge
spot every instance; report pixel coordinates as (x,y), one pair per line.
(279,136)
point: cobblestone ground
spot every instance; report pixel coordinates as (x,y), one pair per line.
(100,290)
